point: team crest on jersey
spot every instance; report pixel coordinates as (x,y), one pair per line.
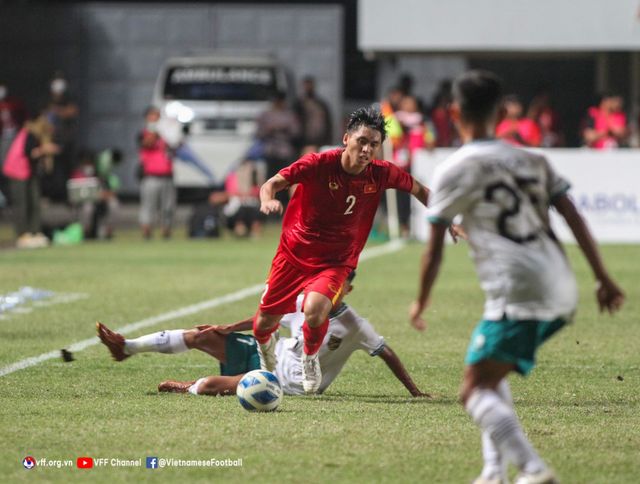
(333,185)
(370,188)
(334,343)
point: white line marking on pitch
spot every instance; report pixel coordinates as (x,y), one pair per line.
(392,246)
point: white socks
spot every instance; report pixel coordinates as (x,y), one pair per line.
(193,389)
(171,341)
(496,418)
(494,464)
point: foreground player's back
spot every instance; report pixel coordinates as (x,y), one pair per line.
(503,194)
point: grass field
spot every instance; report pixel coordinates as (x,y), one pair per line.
(581,407)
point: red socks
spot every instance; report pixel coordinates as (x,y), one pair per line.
(313,337)
(262,335)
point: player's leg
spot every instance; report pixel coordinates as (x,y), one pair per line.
(482,379)
(494,470)
(264,328)
(497,348)
(210,342)
(216,385)
(168,341)
(314,329)
(211,385)
(283,285)
(321,294)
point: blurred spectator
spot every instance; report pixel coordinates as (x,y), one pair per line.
(391,102)
(97,211)
(30,150)
(606,124)
(445,131)
(388,107)
(63,114)
(405,84)
(157,191)
(242,209)
(542,113)
(278,128)
(12,116)
(516,129)
(416,134)
(314,117)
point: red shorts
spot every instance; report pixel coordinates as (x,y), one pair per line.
(286,281)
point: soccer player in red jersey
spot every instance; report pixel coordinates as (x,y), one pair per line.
(324,229)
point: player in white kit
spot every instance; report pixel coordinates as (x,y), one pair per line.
(503,195)
(237,353)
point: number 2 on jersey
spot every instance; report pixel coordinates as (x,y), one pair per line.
(351,201)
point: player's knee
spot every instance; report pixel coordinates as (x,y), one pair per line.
(315,314)
(266,321)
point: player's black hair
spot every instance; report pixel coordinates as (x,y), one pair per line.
(478,93)
(369,117)
(351,276)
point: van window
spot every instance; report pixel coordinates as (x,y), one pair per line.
(218,83)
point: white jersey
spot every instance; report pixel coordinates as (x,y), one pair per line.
(347,332)
(503,195)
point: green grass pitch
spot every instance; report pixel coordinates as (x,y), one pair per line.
(580,407)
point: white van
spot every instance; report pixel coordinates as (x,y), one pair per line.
(210,103)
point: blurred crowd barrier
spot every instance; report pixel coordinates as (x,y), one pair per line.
(604,185)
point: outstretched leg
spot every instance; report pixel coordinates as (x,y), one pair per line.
(211,385)
(168,342)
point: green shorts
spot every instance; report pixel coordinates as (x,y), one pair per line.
(241,353)
(510,341)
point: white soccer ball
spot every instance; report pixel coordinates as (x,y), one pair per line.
(259,391)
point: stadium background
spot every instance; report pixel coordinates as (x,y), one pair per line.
(581,405)
(111,52)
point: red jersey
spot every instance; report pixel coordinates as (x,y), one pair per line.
(328,219)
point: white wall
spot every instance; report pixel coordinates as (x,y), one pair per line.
(605,188)
(498,25)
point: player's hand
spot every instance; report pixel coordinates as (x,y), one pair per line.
(610,297)
(271,206)
(203,327)
(457,232)
(415,316)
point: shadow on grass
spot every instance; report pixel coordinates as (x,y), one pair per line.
(383,399)
(353,397)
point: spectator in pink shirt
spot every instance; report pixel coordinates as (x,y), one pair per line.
(606,125)
(515,128)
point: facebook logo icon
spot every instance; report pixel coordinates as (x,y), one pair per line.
(152,462)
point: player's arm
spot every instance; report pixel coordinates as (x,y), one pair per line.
(430,265)
(244,325)
(268,202)
(419,191)
(609,295)
(398,369)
